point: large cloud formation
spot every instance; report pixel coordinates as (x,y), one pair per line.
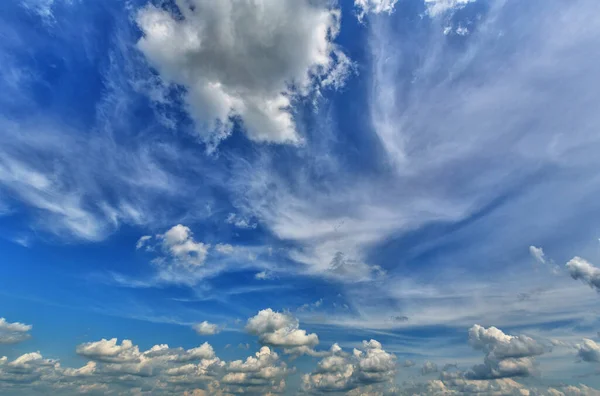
(506,355)
(245,59)
(124,368)
(342,372)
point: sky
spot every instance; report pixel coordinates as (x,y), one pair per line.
(299,197)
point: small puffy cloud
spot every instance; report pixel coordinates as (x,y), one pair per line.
(580,269)
(265,275)
(408,363)
(506,355)
(109,351)
(12,333)
(279,330)
(588,351)
(311,306)
(246,60)
(240,221)
(179,256)
(439,7)
(142,241)
(179,243)
(206,328)
(374,6)
(342,372)
(428,368)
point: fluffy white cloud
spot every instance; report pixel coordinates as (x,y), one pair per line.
(374,6)
(179,243)
(506,355)
(178,254)
(12,333)
(343,372)
(588,351)
(500,346)
(110,351)
(206,328)
(279,330)
(582,270)
(245,59)
(261,373)
(26,369)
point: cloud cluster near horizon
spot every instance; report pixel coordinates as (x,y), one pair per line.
(114,366)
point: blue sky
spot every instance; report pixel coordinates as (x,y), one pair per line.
(291,181)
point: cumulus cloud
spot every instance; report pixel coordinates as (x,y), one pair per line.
(506,355)
(580,269)
(206,328)
(588,351)
(499,345)
(244,59)
(26,368)
(428,368)
(12,333)
(115,367)
(261,373)
(178,253)
(280,330)
(109,351)
(341,372)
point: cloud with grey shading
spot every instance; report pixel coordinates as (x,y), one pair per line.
(13,333)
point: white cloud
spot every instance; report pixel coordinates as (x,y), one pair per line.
(581,269)
(342,372)
(142,241)
(206,328)
(240,221)
(279,330)
(178,252)
(264,275)
(110,351)
(263,372)
(588,351)
(506,355)
(235,59)
(374,6)
(439,7)
(500,346)
(12,333)
(538,254)
(224,248)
